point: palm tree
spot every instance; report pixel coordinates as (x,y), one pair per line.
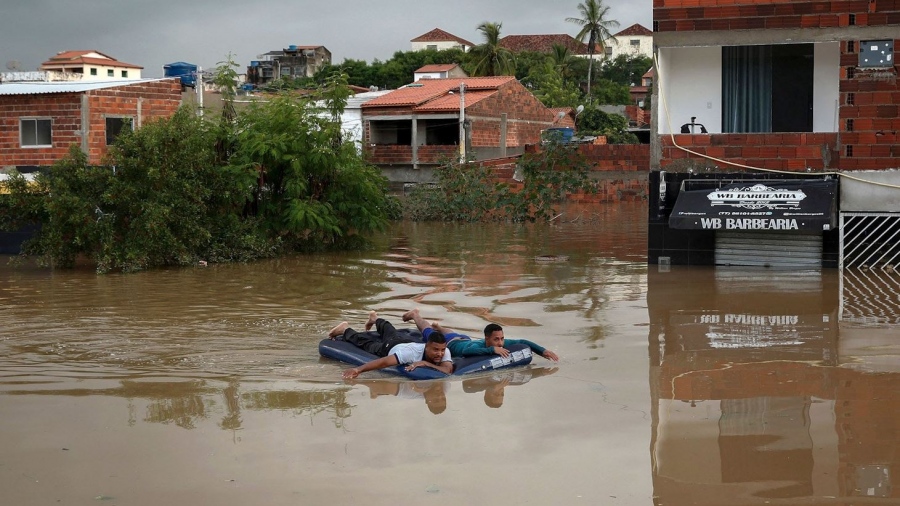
(490,59)
(595,27)
(562,60)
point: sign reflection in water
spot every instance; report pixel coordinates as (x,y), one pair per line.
(758,393)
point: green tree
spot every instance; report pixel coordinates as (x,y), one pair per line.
(626,69)
(551,88)
(490,58)
(312,192)
(593,121)
(610,93)
(595,27)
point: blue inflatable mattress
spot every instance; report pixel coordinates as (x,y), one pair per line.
(520,354)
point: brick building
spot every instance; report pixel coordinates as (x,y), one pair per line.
(414,128)
(39,121)
(807,89)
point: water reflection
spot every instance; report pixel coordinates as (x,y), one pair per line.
(494,386)
(756,397)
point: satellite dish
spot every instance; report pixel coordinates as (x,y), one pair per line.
(13,65)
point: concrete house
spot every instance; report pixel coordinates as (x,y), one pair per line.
(91,65)
(293,62)
(439,40)
(636,40)
(439,71)
(796,106)
(39,121)
(410,130)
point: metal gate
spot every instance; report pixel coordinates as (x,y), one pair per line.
(769,249)
(870,274)
(870,240)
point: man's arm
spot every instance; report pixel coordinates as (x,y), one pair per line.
(445,367)
(536,348)
(379,363)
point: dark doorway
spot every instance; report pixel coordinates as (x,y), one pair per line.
(792,88)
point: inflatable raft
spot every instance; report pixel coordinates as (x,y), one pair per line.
(343,351)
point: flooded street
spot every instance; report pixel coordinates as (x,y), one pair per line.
(683,386)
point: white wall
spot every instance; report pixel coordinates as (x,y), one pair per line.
(622,45)
(690,78)
(441,45)
(826,82)
(692,81)
(429,75)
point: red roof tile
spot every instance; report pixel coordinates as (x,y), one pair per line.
(68,58)
(438,67)
(544,43)
(427,90)
(635,29)
(438,35)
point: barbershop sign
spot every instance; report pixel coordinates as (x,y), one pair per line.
(770,205)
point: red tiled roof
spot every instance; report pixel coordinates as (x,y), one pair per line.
(635,29)
(438,35)
(68,58)
(451,102)
(544,43)
(428,90)
(438,67)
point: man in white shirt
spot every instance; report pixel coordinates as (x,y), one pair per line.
(393,348)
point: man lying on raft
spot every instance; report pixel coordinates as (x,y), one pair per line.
(393,348)
(461,345)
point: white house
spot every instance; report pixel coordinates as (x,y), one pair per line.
(439,40)
(634,40)
(91,65)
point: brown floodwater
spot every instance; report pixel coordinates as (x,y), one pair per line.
(674,386)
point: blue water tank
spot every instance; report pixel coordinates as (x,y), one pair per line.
(186,71)
(292,47)
(565,133)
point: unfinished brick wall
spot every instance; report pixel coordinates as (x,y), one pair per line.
(869,112)
(141,101)
(619,169)
(526,117)
(778,151)
(691,15)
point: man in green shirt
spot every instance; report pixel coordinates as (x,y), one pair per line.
(461,345)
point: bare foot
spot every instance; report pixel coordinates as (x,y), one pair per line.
(333,333)
(411,314)
(438,328)
(371,321)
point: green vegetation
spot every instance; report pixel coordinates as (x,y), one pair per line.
(469,191)
(595,27)
(273,179)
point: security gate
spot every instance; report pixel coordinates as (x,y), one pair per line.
(870,274)
(769,249)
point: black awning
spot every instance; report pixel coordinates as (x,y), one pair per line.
(804,205)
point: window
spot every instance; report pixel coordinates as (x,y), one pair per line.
(635,43)
(110,73)
(35,132)
(432,47)
(115,126)
(609,52)
(767,88)
(93,72)
(124,73)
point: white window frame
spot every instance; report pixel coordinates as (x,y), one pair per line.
(35,119)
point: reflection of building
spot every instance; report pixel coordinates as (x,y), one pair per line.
(752,398)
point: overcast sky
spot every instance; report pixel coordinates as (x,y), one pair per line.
(152,33)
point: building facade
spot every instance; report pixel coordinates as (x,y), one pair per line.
(293,62)
(754,93)
(413,129)
(439,40)
(90,65)
(40,121)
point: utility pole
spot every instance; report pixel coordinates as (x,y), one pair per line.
(198,83)
(462,122)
